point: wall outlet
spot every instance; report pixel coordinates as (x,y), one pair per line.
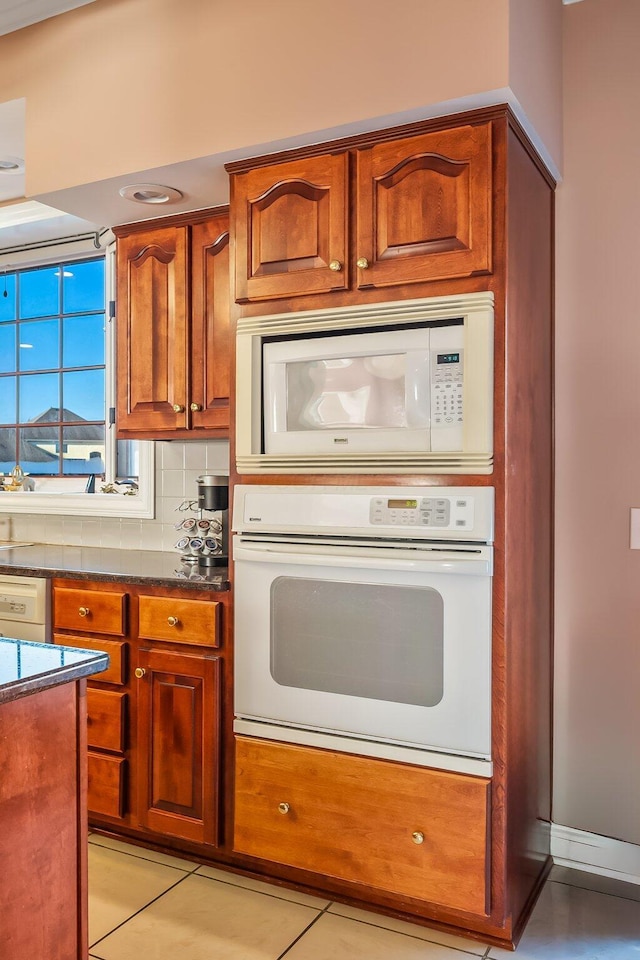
(5,528)
(635,529)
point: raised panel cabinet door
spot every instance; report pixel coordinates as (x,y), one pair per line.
(210,330)
(177,750)
(152,312)
(424,208)
(291,228)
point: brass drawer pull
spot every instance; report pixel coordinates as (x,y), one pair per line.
(178,408)
(283,808)
(417,836)
(173,621)
(83,611)
(139,672)
(336,266)
(362,263)
(196,407)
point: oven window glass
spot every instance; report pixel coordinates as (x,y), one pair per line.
(362,392)
(378,641)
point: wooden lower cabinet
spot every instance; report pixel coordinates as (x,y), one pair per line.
(106,785)
(405,830)
(153,717)
(177,743)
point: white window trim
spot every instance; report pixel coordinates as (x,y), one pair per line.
(142,505)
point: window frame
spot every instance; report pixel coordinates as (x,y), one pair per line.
(140,506)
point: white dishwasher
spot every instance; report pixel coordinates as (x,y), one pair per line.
(24,608)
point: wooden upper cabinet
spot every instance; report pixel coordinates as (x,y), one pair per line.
(291,228)
(378,214)
(424,207)
(152,310)
(210,334)
(173,329)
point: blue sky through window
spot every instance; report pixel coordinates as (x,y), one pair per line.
(52,368)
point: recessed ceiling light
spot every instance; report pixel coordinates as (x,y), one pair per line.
(149,193)
(11,165)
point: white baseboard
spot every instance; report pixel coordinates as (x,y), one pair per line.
(595,854)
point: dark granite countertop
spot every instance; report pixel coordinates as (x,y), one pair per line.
(151,567)
(27,667)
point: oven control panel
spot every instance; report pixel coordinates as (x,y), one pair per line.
(445,513)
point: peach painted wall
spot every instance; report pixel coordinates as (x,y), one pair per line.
(170,80)
(535,67)
(597,720)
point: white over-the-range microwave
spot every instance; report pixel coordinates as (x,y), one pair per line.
(387,388)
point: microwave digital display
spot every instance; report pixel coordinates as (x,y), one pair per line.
(448,358)
(402,504)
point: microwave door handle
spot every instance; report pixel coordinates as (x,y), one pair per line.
(479,564)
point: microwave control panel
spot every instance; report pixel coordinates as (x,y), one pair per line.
(444,513)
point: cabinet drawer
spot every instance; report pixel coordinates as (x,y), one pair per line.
(91,611)
(106,784)
(116,672)
(182,621)
(406,830)
(106,719)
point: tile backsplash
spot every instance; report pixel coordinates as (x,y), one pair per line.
(177,467)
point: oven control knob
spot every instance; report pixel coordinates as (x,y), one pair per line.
(417,836)
(283,808)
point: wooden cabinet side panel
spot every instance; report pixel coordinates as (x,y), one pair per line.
(210,324)
(152,332)
(43,826)
(528,524)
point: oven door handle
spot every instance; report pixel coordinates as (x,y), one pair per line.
(479,564)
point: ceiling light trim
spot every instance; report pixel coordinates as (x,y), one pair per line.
(11,166)
(150,193)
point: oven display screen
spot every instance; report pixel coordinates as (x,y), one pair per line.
(448,358)
(402,504)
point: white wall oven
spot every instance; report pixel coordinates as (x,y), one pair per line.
(363,620)
(389,387)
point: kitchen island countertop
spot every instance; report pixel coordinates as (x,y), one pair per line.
(27,667)
(152,567)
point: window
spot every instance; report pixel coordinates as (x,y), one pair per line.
(52,370)
(56,373)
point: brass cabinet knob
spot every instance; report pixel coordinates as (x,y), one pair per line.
(283,808)
(178,408)
(83,611)
(336,266)
(139,672)
(417,836)
(173,621)
(196,407)
(362,263)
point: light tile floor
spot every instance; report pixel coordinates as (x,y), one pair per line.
(148,906)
